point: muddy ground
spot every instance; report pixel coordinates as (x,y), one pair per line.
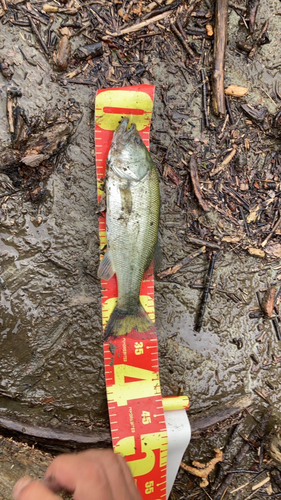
(51,368)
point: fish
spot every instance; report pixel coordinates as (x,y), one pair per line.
(132,220)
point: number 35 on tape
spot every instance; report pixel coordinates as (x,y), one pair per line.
(135,404)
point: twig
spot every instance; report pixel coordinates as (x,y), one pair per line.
(182,40)
(196,183)
(252,10)
(201,312)
(36,32)
(64,81)
(260,484)
(174,5)
(184,262)
(276,328)
(204,98)
(225,162)
(264,243)
(220,136)
(137,27)
(244,220)
(260,394)
(220,39)
(259,39)
(3,195)
(237,6)
(238,198)
(10,107)
(189,9)
(227,102)
(206,243)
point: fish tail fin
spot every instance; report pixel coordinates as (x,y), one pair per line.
(121,322)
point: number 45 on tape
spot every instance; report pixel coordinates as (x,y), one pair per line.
(152,440)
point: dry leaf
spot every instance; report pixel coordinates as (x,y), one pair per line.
(256,252)
(138,9)
(231,239)
(268,301)
(236,90)
(274,250)
(252,217)
(247,143)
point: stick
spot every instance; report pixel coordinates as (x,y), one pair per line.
(227,102)
(201,312)
(271,232)
(184,262)
(259,39)
(137,27)
(182,40)
(189,9)
(206,243)
(36,32)
(252,9)
(204,98)
(244,220)
(220,39)
(196,184)
(276,328)
(225,162)
(236,6)
(10,107)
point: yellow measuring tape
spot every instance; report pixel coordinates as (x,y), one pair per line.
(135,404)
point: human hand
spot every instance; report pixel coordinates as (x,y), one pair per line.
(90,475)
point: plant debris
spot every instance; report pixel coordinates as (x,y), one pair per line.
(203,470)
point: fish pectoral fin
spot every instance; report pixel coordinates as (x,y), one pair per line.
(106,271)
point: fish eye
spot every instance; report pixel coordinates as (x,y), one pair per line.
(138,140)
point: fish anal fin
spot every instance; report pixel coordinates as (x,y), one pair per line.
(106,270)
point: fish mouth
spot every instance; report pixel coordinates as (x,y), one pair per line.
(122,133)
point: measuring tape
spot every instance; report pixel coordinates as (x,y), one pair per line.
(136,407)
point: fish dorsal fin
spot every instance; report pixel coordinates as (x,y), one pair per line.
(106,271)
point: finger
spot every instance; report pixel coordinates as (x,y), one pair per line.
(132,489)
(100,469)
(85,475)
(26,489)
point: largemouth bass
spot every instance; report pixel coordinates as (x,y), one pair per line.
(132,217)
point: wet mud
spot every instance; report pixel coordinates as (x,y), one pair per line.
(51,361)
